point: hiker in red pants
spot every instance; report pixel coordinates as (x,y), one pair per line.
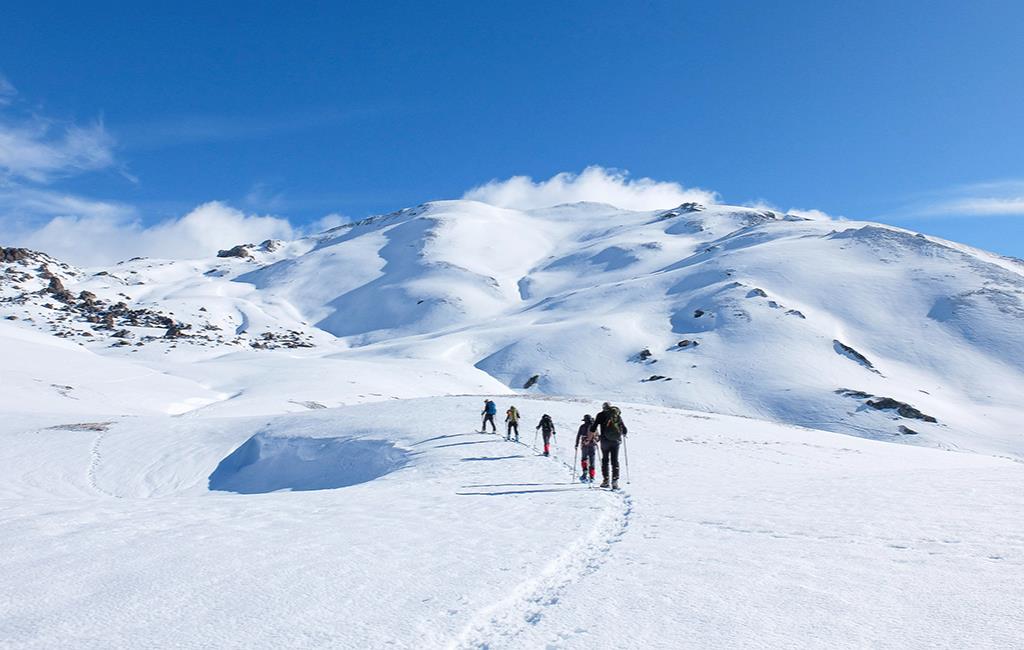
(547,429)
(586,442)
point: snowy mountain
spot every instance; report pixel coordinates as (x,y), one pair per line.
(837,325)
(278,447)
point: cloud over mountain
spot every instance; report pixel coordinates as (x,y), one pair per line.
(594,184)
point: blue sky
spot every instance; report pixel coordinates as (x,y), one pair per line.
(909,113)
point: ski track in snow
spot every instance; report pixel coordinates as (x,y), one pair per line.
(94,464)
(497,625)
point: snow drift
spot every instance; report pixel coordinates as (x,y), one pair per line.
(267,463)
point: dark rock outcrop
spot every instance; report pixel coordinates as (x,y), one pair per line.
(15,254)
(848,352)
(236,251)
(176,330)
(905,410)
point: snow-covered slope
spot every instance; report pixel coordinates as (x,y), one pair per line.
(277,447)
(224,532)
(838,325)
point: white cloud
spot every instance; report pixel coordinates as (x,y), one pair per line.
(807,213)
(38,151)
(814,214)
(761,204)
(1003,198)
(261,196)
(99,239)
(7,91)
(325,223)
(594,184)
(20,203)
(982,206)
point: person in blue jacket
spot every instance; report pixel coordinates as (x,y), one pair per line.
(490,409)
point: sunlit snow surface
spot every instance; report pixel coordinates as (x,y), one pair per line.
(184,495)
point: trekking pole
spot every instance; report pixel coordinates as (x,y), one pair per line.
(625,454)
(572,470)
(534,447)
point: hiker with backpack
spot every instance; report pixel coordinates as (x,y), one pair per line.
(586,442)
(547,429)
(490,409)
(512,423)
(609,421)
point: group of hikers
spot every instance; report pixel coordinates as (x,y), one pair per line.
(606,430)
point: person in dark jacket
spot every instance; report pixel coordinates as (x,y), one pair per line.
(490,408)
(547,429)
(586,442)
(612,428)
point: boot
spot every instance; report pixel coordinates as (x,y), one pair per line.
(615,484)
(604,483)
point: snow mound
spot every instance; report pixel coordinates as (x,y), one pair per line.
(266,463)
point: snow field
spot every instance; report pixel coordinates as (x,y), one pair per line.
(732,532)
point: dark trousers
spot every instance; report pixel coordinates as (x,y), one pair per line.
(512,426)
(489,417)
(610,452)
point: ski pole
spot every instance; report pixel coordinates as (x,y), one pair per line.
(625,453)
(572,470)
(534,447)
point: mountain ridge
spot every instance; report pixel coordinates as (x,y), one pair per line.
(736,310)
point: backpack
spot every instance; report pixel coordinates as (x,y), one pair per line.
(490,408)
(613,423)
(512,415)
(546,423)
